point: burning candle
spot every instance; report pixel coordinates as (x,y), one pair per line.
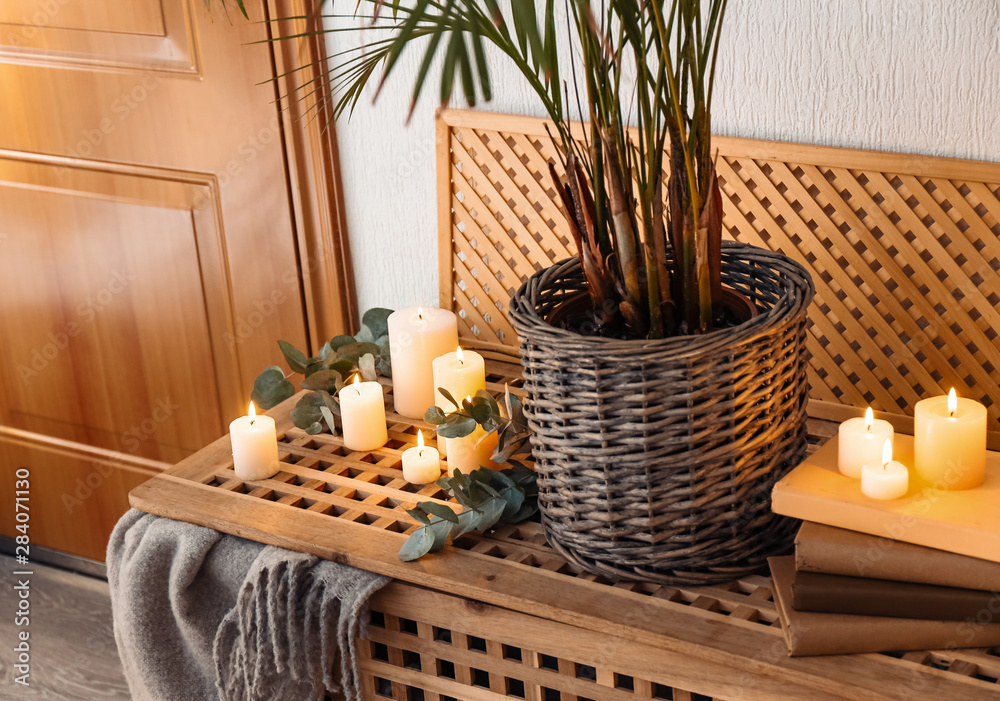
(950,441)
(362,412)
(887,479)
(462,373)
(255,446)
(416,336)
(421,465)
(860,441)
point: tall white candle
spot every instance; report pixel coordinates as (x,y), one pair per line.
(362,413)
(416,336)
(949,442)
(255,446)
(885,479)
(421,465)
(860,441)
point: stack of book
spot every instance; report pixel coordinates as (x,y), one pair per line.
(847,592)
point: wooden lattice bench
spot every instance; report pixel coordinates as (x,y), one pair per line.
(904,252)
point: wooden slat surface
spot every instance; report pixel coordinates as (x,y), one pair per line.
(351,507)
(904,250)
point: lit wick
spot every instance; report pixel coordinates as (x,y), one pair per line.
(886,454)
(460,355)
(252,413)
(869,419)
(952,402)
(420,443)
(356,387)
(420,313)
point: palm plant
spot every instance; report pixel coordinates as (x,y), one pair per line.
(623,215)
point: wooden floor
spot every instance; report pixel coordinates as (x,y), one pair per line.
(73,653)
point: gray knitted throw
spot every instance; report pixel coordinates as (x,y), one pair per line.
(203,615)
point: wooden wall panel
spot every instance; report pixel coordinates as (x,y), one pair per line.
(904,250)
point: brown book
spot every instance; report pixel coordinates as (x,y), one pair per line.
(832,550)
(808,633)
(834,593)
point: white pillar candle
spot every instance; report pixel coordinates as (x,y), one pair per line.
(416,336)
(362,413)
(860,441)
(421,465)
(470,452)
(949,442)
(255,446)
(886,479)
(462,373)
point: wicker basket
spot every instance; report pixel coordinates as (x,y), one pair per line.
(656,459)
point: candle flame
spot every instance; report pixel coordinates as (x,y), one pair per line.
(869,418)
(420,439)
(460,355)
(252,413)
(952,402)
(886,453)
(420,313)
(357,383)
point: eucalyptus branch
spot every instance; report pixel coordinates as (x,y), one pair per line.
(487,497)
(504,417)
(365,354)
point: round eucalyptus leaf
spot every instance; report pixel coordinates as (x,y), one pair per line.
(457,426)
(296,359)
(306,412)
(435,416)
(441,530)
(439,510)
(338,342)
(323,379)
(417,545)
(377,319)
(271,388)
(366,366)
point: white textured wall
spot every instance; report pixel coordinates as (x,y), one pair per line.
(918,76)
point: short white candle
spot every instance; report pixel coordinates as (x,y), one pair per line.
(421,465)
(886,479)
(416,336)
(362,413)
(462,373)
(471,452)
(255,446)
(949,441)
(860,441)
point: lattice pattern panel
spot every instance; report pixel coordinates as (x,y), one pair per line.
(904,251)
(420,646)
(321,475)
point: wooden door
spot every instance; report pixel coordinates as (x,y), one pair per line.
(149,246)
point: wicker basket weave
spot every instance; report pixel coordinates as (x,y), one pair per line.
(656,459)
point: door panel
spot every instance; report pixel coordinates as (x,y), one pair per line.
(133,17)
(138,34)
(148,256)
